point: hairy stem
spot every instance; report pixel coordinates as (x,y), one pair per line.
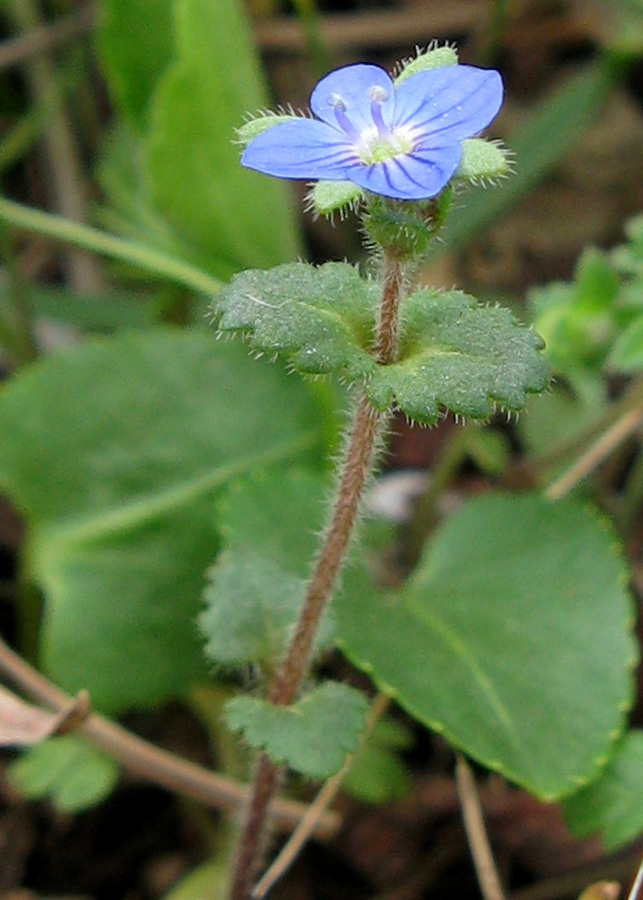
(287,683)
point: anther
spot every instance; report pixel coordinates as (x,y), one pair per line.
(378,94)
(335,100)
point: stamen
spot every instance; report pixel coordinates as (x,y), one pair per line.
(336,101)
(378,95)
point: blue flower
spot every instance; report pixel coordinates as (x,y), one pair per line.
(401,141)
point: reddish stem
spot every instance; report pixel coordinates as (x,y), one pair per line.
(289,678)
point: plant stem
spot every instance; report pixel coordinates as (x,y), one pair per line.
(96,241)
(290,677)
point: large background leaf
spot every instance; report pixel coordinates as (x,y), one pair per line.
(513,638)
(118,484)
(236,217)
(134,39)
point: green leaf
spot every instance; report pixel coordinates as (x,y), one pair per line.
(134,42)
(597,283)
(208,881)
(627,352)
(613,804)
(629,257)
(257,585)
(513,639)
(235,217)
(118,485)
(453,353)
(377,775)
(456,354)
(322,318)
(312,736)
(73,774)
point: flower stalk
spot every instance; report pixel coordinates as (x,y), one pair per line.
(287,683)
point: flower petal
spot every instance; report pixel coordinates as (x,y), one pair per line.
(416,176)
(302,149)
(352,84)
(449,103)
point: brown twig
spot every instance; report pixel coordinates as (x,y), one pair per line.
(43,38)
(60,144)
(348,31)
(473,816)
(150,762)
(594,455)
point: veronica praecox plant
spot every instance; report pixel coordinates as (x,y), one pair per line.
(395,146)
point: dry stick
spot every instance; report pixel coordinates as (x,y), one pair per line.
(594,455)
(150,762)
(61,147)
(46,37)
(287,683)
(321,803)
(637,887)
(473,816)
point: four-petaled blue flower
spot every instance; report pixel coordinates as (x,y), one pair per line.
(401,141)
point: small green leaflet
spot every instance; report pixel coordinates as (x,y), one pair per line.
(313,736)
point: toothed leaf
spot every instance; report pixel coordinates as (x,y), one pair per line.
(322,318)
(456,354)
(313,736)
(453,352)
(70,772)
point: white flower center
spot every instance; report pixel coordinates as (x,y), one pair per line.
(375,147)
(379,142)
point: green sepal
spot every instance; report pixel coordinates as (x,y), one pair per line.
(453,353)
(253,128)
(313,736)
(403,227)
(431,59)
(328,197)
(482,160)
